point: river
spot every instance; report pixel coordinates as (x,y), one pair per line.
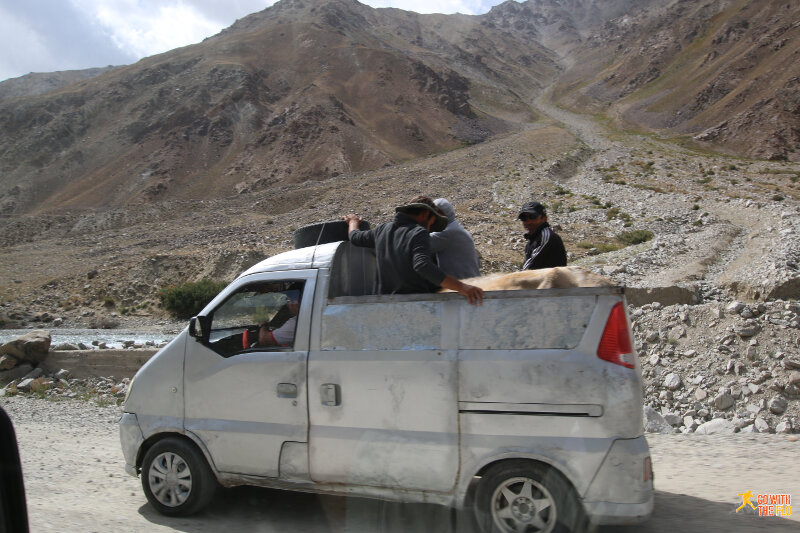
(112,338)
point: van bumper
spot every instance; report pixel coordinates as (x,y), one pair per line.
(626,479)
(618,514)
(131,438)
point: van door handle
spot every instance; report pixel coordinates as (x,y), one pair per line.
(331,394)
(287,390)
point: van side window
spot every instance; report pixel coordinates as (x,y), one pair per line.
(259,316)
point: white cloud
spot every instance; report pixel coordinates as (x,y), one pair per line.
(16,60)
(148,27)
(48,35)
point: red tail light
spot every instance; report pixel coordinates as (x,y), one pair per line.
(615,345)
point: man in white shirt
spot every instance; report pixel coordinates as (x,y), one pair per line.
(283,335)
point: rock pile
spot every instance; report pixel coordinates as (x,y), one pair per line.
(30,348)
(61,385)
(20,373)
(720,366)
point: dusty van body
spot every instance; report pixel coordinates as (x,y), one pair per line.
(416,398)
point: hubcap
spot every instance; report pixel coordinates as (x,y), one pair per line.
(170,479)
(523,505)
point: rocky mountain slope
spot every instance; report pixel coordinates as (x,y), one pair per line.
(302,90)
(725,72)
(37,83)
(313,89)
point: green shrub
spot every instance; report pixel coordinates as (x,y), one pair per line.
(604,247)
(635,236)
(601,247)
(189,299)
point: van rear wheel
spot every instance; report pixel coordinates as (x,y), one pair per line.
(525,497)
(176,478)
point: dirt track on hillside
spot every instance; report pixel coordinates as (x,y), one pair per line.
(75,482)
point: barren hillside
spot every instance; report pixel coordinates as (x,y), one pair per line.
(200,161)
(725,72)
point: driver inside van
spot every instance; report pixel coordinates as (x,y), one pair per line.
(283,335)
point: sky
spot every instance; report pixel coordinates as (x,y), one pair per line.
(54,35)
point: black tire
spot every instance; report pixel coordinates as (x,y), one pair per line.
(176,478)
(323,233)
(523,496)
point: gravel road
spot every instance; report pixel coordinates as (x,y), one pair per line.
(75,482)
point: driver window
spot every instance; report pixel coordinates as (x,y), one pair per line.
(256,317)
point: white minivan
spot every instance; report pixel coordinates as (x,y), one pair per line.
(298,376)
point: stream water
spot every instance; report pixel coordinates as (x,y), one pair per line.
(112,338)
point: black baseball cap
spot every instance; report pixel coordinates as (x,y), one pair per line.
(533,208)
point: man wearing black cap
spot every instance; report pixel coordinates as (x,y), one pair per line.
(544,248)
(403,251)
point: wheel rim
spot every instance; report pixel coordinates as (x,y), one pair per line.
(523,505)
(170,479)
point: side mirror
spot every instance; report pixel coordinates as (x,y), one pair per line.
(198,326)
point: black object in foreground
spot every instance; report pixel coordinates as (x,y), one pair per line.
(13,511)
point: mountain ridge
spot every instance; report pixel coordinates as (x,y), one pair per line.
(309,90)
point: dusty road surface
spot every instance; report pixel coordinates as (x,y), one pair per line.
(75,482)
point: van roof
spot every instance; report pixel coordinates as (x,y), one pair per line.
(320,256)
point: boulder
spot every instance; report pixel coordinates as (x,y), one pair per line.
(15,373)
(700,394)
(34,373)
(7,362)
(25,385)
(66,346)
(762,425)
(778,405)
(735,307)
(716,426)
(31,347)
(654,422)
(672,381)
(723,401)
(747,330)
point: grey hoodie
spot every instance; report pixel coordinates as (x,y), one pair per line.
(453,247)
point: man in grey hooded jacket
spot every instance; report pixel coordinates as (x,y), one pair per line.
(453,247)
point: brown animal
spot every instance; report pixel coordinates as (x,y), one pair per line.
(543,278)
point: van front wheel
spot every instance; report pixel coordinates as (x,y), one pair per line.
(176,478)
(524,497)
